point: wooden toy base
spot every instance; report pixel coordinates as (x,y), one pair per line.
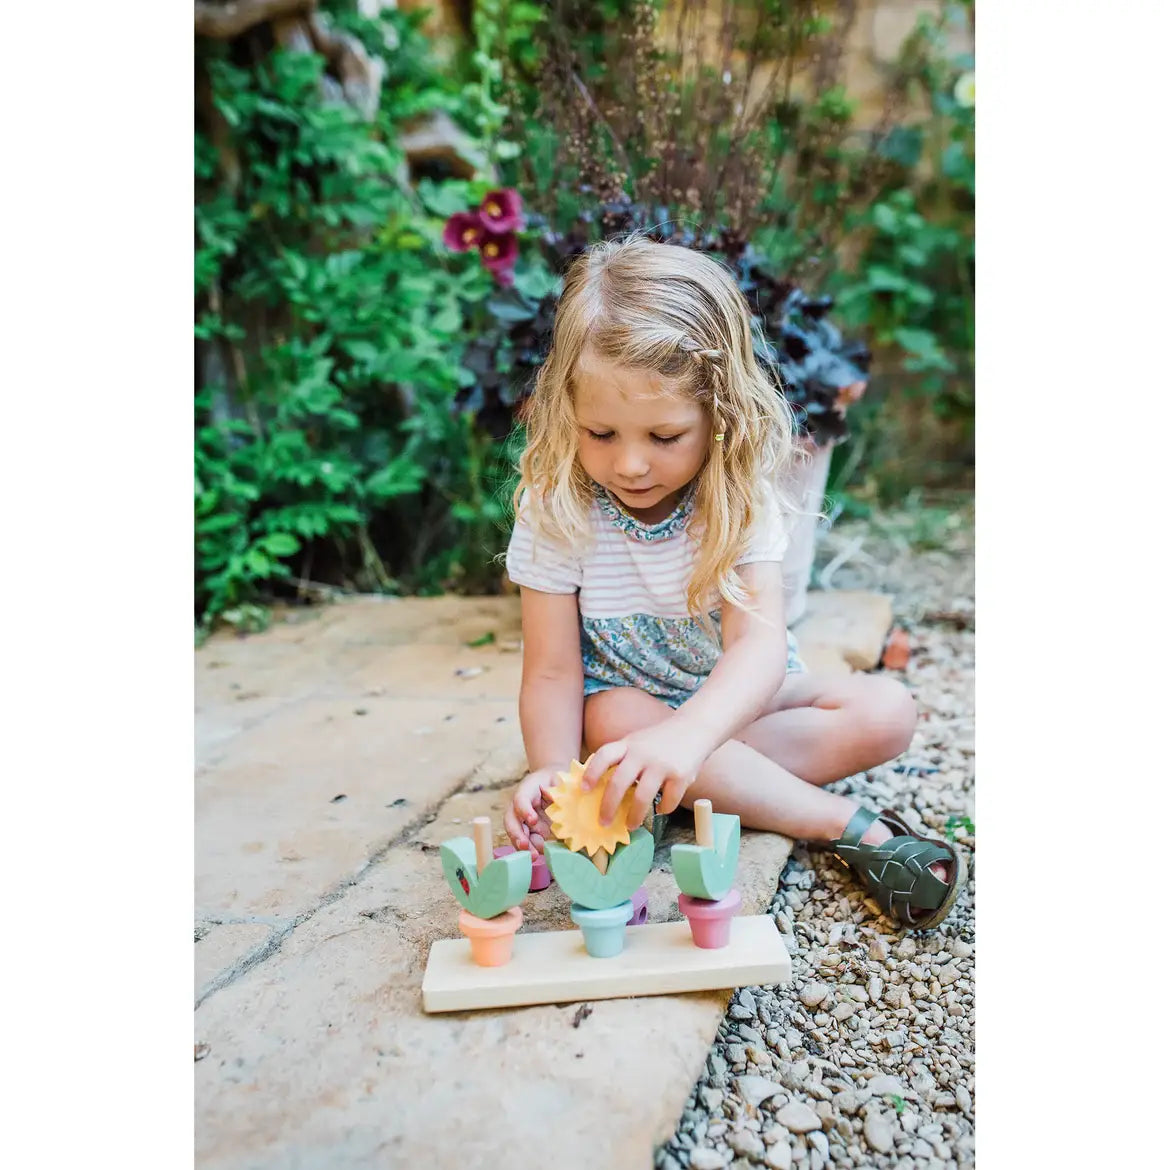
(553,967)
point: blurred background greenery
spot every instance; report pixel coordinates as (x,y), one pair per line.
(369,312)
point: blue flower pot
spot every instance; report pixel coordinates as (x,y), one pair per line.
(604,930)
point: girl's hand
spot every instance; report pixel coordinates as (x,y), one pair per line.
(666,757)
(524,820)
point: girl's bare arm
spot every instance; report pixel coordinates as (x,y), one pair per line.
(551,695)
(753,663)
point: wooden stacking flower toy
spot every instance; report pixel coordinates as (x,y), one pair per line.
(490,892)
(705,872)
(601,867)
(714,948)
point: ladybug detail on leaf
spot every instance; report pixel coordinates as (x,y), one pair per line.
(463,881)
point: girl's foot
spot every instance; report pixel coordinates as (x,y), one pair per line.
(915,879)
(879,832)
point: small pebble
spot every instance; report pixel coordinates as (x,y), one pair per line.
(884,1084)
(878,1134)
(779,1155)
(704,1158)
(797,1117)
(756,1090)
(813,994)
(746,1144)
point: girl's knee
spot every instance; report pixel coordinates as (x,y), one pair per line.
(887,715)
(614,713)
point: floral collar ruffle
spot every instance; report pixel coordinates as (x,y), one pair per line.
(635,529)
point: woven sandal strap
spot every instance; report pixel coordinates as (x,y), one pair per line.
(859,822)
(897,874)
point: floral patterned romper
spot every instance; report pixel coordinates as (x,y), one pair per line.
(631,585)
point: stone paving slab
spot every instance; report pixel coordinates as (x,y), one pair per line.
(315,914)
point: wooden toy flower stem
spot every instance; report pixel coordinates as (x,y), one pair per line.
(482,831)
(600,859)
(704,826)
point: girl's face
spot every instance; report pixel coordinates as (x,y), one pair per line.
(636,437)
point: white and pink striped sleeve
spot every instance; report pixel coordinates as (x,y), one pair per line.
(536,563)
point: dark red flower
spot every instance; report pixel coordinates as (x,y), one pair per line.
(464,231)
(499,255)
(500,211)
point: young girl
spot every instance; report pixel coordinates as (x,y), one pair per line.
(647,548)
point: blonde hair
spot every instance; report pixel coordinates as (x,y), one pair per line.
(663,308)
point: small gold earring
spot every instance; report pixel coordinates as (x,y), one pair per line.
(719,437)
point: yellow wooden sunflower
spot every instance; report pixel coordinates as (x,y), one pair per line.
(575,815)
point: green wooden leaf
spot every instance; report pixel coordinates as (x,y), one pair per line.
(703,871)
(587,886)
(503,884)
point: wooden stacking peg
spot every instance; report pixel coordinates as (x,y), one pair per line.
(704,826)
(481,828)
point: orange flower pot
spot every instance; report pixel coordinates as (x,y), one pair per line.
(491,938)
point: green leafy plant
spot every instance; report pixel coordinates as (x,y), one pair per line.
(911,288)
(330,329)
(954,824)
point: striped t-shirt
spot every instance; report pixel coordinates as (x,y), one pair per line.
(631,587)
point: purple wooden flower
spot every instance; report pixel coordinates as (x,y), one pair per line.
(499,255)
(500,212)
(464,231)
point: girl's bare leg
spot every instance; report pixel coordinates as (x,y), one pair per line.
(825,726)
(736,778)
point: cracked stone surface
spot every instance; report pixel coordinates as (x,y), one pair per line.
(334,753)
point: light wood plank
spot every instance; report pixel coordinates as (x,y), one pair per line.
(553,967)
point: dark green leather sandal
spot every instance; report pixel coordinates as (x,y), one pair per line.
(897,872)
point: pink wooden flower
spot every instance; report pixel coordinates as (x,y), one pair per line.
(500,211)
(464,231)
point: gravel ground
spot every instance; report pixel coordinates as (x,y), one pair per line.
(867,1058)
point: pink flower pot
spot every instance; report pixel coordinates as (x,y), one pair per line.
(710,921)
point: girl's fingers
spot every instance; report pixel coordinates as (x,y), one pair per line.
(625,774)
(672,793)
(648,785)
(601,761)
(515,830)
(522,805)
